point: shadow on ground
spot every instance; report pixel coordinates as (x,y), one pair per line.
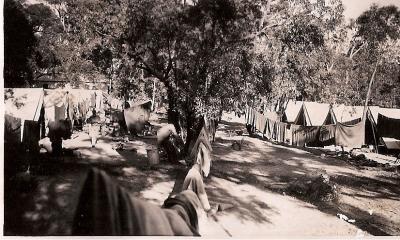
(275,168)
(43,202)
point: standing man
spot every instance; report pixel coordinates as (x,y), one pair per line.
(94,127)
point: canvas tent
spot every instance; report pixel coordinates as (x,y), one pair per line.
(24,116)
(349,118)
(388,112)
(137,115)
(348,114)
(24,103)
(388,125)
(315,114)
(291,111)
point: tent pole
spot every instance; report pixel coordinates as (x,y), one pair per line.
(373,132)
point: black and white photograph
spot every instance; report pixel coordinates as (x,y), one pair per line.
(202,118)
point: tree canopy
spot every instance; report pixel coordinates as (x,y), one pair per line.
(208,55)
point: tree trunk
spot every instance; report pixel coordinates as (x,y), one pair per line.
(153,104)
(173,113)
(369,93)
(367,99)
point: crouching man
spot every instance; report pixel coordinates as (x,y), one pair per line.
(167,137)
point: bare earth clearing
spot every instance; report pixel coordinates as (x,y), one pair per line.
(254,180)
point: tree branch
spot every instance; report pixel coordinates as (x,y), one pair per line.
(354,53)
(104,34)
(151,70)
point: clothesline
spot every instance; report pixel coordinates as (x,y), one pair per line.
(351,135)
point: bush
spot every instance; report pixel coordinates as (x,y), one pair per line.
(314,189)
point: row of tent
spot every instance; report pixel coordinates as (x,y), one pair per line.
(51,104)
(312,123)
(29,111)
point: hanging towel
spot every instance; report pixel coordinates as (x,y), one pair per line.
(296,140)
(59,112)
(93,99)
(288,134)
(281,129)
(31,136)
(12,129)
(350,135)
(202,138)
(327,134)
(60,129)
(269,131)
(304,135)
(260,122)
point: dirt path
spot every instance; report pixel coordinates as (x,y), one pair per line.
(256,179)
(253,180)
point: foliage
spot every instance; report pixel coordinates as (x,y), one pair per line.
(208,55)
(195,50)
(19,45)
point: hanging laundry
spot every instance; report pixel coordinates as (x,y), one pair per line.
(327,135)
(279,132)
(12,129)
(202,138)
(288,134)
(350,135)
(60,129)
(31,136)
(99,101)
(260,122)
(269,129)
(250,116)
(59,112)
(70,108)
(253,120)
(311,135)
(93,99)
(271,115)
(304,135)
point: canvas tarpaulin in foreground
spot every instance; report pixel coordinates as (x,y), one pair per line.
(105,209)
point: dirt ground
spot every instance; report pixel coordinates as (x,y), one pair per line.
(254,180)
